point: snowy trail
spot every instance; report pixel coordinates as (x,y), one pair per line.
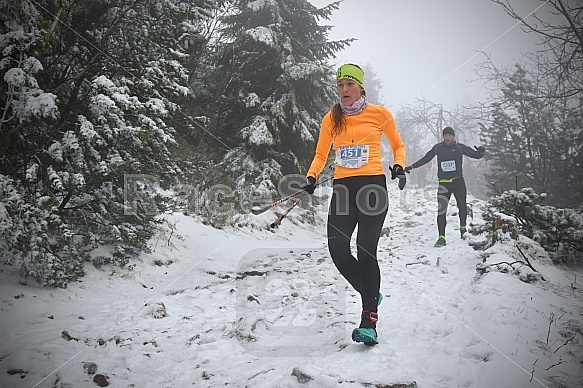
(268,309)
(428,287)
(419,327)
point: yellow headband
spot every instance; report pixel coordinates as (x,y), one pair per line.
(352,72)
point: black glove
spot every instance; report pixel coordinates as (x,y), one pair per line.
(311,186)
(402,181)
(480,149)
(398,172)
(408,169)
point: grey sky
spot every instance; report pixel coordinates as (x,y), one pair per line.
(429,47)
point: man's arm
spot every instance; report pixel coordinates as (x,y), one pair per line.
(425,159)
(477,153)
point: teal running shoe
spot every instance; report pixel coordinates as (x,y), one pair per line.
(367,333)
(366,336)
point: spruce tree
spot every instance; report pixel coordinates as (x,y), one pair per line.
(533,140)
(372,84)
(276,85)
(89,97)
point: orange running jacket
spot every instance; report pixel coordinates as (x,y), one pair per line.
(364,128)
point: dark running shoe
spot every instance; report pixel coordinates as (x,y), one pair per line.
(463,231)
(440,242)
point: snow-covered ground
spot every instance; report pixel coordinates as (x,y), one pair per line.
(251,307)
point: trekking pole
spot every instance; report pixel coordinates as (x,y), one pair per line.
(256,210)
(296,202)
(280,218)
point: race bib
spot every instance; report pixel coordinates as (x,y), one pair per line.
(353,156)
(448,165)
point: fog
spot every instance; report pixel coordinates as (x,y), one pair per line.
(428,48)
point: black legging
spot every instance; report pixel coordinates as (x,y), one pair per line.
(358,200)
(444,191)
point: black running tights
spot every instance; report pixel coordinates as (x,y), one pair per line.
(458,188)
(362,201)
